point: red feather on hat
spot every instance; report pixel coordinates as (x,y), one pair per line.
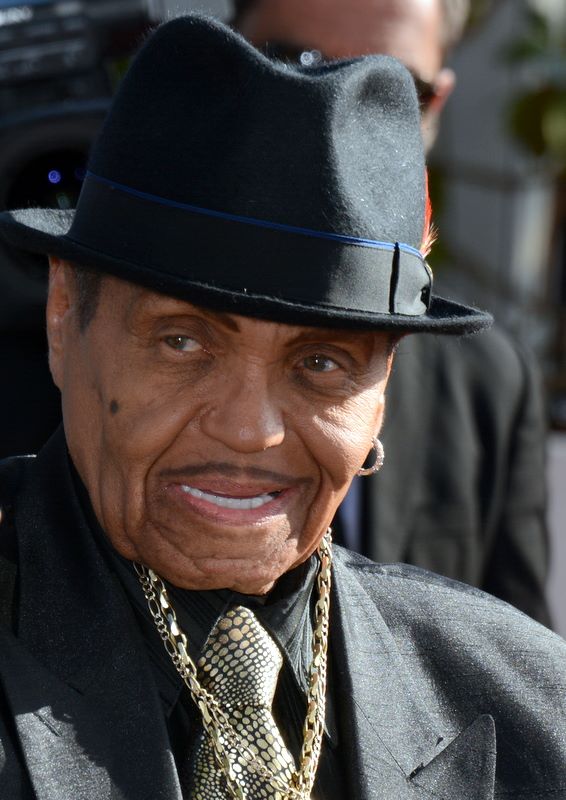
(429,230)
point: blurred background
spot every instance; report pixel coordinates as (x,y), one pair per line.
(498,167)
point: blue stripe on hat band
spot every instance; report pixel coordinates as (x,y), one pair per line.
(179,251)
(261,223)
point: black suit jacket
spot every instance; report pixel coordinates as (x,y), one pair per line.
(30,405)
(462,491)
(441,691)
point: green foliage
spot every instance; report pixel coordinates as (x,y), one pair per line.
(537,116)
(479,13)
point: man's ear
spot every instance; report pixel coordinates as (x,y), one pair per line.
(59,306)
(430,117)
(443,88)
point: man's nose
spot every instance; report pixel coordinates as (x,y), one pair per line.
(246,415)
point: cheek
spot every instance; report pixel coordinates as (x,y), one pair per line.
(118,427)
(345,435)
(82,411)
(143,421)
(339,441)
(145,425)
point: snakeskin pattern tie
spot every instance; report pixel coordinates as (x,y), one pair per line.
(240,666)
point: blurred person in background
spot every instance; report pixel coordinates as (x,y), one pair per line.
(464,491)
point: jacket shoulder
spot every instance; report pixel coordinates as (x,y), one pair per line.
(12,472)
(376,578)
(407,585)
(417,604)
(490,360)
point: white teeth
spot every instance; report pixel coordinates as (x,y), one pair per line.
(244,503)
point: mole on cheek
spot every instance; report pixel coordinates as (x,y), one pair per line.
(114,407)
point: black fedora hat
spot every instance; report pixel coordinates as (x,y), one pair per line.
(249,186)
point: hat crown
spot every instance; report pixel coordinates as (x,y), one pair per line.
(230,181)
(202,118)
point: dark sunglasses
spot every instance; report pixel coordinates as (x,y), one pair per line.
(294,54)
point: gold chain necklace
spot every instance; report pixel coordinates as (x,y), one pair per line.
(215,721)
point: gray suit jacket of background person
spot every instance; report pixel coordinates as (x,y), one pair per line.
(462,491)
(440,690)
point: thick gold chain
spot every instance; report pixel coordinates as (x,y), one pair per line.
(215,721)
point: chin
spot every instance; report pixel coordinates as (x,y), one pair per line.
(249,559)
(255,589)
(248,585)
(204,574)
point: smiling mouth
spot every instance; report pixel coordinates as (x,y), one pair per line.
(239,503)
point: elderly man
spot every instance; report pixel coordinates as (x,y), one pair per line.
(223,308)
(477,402)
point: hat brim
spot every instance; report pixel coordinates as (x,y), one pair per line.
(44,232)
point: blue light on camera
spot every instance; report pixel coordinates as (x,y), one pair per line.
(54,176)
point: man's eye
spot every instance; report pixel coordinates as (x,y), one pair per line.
(318,363)
(182,343)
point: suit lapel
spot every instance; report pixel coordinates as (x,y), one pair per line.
(396,748)
(103,745)
(465,768)
(77,679)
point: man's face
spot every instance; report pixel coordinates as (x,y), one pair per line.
(215,448)
(409,30)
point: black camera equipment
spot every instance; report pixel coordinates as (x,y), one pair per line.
(60,61)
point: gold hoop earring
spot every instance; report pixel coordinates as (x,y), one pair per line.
(379,453)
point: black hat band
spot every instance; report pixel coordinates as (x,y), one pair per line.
(241,254)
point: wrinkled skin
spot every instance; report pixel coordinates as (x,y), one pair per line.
(409,30)
(163,400)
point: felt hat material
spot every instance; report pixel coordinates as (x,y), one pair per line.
(287,193)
